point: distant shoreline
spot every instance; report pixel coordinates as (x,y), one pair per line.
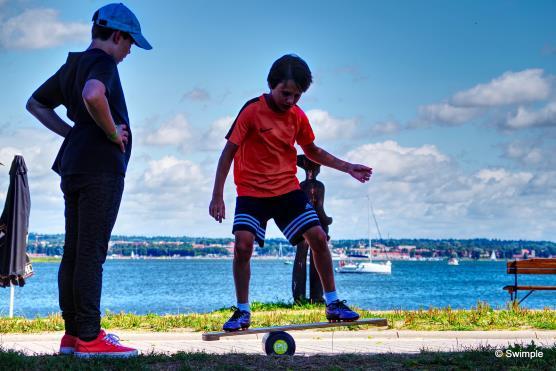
(49,259)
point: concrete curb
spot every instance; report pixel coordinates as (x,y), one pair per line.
(501,334)
(308,342)
(369,334)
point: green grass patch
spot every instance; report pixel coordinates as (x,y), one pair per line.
(481,317)
(482,358)
(46,259)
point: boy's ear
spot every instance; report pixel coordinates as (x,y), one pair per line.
(116,36)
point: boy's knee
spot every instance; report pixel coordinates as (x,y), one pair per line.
(243,246)
(317,238)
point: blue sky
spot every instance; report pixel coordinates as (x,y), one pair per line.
(452,103)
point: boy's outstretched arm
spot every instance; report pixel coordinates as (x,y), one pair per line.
(360,172)
(217,208)
(48,117)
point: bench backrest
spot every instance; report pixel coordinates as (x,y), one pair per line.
(532,266)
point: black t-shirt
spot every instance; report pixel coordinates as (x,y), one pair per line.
(86,149)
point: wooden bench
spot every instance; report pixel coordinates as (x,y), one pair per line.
(530,266)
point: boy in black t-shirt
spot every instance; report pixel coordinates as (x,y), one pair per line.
(92,162)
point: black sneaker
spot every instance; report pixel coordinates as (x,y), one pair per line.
(240,320)
(339,311)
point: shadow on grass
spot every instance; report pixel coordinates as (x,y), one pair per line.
(517,357)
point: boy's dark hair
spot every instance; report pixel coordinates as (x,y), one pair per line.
(290,67)
(104,33)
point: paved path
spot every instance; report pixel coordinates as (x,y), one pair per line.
(307,342)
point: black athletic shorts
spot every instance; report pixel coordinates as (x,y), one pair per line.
(292,212)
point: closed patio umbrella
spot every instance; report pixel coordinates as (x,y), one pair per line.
(15,266)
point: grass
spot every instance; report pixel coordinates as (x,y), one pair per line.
(482,358)
(46,259)
(481,317)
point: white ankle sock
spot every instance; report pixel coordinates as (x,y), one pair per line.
(244,307)
(331,296)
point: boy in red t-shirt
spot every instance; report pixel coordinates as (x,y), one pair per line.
(261,145)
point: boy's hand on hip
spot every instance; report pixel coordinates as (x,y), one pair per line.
(360,172)
(121,137)
(217,209)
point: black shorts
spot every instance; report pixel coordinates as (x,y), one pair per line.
(292,212)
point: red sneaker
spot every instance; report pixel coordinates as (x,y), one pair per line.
(105,345)
(67,345)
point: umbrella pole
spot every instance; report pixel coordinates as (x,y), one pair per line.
(12,290)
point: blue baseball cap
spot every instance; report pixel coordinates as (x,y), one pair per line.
(118,17)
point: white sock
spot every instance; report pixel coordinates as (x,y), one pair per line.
(330,297)
(244,307)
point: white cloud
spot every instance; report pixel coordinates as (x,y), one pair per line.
(214,137)
(503,176)
(197,94)
(171,196)
(175,132)
(510,88)
(501,194)
(328,127)
(523,153)
(394,162)
(40,28)
(542,182)
(39,151)
(421,192)
(38,147)
(416,192)
(525,118)
(168,196)
(170,172)
(446,113)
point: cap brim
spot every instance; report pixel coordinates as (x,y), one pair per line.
(140,41)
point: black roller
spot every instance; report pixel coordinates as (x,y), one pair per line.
(279,343)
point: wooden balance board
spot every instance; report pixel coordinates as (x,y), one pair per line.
(212,336)
(277,342)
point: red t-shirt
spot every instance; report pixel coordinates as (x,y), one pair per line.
(266,160)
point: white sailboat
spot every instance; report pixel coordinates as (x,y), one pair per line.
(453,261)
(366,266)
(493,255)
(282,257)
